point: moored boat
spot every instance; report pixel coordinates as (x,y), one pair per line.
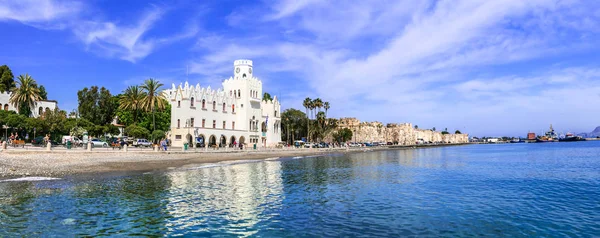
(570,138)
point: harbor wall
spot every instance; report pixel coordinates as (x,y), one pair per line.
(397,133)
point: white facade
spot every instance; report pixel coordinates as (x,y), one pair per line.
(40,106)
(226,116)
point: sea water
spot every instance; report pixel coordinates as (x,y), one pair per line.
(515,190)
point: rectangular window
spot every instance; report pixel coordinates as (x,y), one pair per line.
(214,124)
(223,124)
(177,137)
(203,122)
(178,123)
(191,122)
(233,125)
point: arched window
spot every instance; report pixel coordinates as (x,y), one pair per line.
(41,111)
(47,109)
(203,104)
(192,102)
(251,93)
(5,107)
(214,105)
(178,103)
(232,108)
(223,106)
(230,93)
(239,93)
(178,123)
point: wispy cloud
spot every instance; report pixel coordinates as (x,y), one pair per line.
(116,39)
(40,13)
(413,60)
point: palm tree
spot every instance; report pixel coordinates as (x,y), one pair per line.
(326,106)
(154,99)
(307,105)
(318,104)
(26,94)
(267,97)
(131,100)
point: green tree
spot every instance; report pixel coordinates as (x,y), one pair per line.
(317,104)
(7,79)
(343,135)
(293,122)
(267,97)
(137,131)
(43,93)
(25,95)
(326,106)
(107,106)
(88,103)
(96,105)
(131,100)
(307,105)
(157,136)
(154,99)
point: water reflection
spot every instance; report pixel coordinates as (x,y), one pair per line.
(232,199)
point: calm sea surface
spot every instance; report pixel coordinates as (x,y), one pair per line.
(515,190)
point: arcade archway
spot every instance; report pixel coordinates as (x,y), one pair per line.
(232,141)
(200,141)
(223,141)
(212,141)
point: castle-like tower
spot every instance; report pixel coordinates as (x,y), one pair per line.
(227,116)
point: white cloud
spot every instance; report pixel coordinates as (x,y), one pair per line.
(39,13)
(415,61)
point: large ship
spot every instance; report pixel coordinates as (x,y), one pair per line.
(550,136)
(570,137)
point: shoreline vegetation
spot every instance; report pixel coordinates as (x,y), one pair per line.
(60,163)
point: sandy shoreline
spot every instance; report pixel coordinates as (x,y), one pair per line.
(19,163)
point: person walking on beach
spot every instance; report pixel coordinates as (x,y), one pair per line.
(163,143)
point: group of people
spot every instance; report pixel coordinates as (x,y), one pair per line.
(164,144)
(13,137)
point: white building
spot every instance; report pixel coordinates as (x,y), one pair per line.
(226,116)
(40,106)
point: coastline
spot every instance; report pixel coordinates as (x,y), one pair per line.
(60,163)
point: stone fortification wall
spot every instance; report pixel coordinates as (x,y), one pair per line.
(397,133)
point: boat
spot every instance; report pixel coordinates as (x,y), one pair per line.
(550,136)
(570,138)
(516,140)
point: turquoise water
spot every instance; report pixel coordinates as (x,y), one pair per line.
(513,190)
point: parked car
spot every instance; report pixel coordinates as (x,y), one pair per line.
(98,143)
(141,142)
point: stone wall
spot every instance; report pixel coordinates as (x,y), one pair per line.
(402,134)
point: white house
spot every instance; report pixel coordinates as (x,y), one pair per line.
(40,106)
(226,116)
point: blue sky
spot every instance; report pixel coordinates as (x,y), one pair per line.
(493,68)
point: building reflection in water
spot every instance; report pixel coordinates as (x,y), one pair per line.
(225,198)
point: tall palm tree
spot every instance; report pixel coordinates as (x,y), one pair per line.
(154,99)
(326,106)
(131,100)
(318,104)
(307,102)
(26,94)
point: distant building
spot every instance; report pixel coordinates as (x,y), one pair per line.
(228,116)
(531,136)
(39,109)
